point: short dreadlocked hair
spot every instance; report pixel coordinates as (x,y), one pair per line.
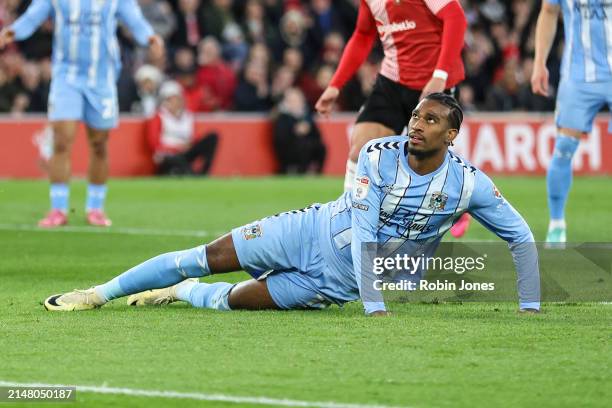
(455,116)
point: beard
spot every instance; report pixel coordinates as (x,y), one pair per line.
(422,154)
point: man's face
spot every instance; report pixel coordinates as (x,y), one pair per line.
(428,129)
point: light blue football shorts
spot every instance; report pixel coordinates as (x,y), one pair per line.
(579,102)
(284,250)
(97,107)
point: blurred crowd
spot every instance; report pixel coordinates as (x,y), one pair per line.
(244,55)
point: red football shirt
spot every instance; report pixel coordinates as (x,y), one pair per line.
(418,36)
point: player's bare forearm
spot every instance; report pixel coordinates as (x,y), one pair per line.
(546,29)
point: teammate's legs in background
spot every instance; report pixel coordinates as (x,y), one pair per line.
(362,133)
(559,182)
(64,133)
(577,105)
(97,174)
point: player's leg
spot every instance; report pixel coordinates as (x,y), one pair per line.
(64,133)
(97,140)
(100,115)
(64,111)
(381,115)
(162,271)
(245,248)
(576,108)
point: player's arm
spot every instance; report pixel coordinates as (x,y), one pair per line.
(27,23)
(130,14)
(489,207)
(355,53)
(454,25)
(366,200)
(546,28)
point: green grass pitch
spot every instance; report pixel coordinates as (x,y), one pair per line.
(424,355)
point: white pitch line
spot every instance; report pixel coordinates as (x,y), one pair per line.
(111,230)
(199,396)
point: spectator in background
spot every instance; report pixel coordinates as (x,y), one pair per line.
(235,49)
(297,140)
(295,32)
(32,89)
(189,25)
(282,80)
(216,14)
(172,139)
(256,26)
(148,78)
(325,17)
(253,91)
(214,76)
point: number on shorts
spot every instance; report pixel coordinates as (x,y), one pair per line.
(109,108)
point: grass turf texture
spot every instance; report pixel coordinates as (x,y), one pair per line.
(425,355)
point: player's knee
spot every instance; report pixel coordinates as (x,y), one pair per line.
(61,146)
(572,132)
(98,148)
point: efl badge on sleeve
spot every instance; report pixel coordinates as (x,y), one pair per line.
(497,193)
(438,201)
(361,188)
(251,231)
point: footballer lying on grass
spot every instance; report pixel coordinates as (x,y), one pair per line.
(409,190)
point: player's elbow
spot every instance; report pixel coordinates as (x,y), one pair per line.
(551,10)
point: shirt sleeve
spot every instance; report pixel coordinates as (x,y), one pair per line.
(358,47)
(454,25)
(34,16)
(366,200)
(130,14)
(492,210)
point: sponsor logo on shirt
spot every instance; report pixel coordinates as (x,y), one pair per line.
(406,25)
(360,206)
(361,188)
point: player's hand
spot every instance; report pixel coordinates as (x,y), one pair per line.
(6,37)
(326,101)
(539,80)
(434,85)
(156,47)
(379,313)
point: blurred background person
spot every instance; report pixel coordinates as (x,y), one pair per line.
(297,140)
(148,78)
(172,139)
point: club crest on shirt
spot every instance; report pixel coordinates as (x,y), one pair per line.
(251,231)
(437,201)
(361,188)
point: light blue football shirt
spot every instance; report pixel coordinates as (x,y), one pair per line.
(587,56)
(85,48)
(393,205)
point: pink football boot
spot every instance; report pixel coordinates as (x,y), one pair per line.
(98,218)
(461,226)
(53,219)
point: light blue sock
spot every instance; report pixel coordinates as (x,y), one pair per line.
(59,193)
(96,195)
(159,272)
(559,177)
(208,295)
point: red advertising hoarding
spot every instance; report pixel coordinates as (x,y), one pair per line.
(496,143)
